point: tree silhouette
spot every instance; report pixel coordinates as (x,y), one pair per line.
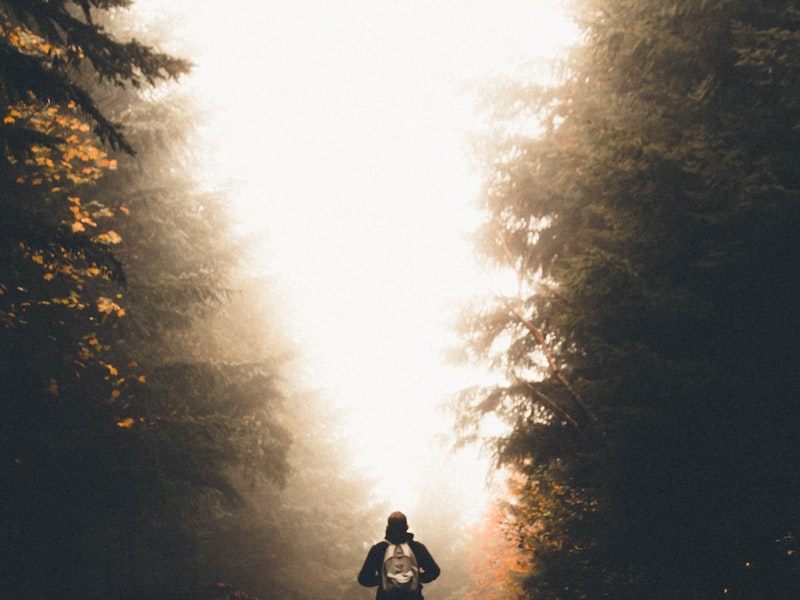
(119,428)
(645,356)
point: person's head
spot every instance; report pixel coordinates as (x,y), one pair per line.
(397,525)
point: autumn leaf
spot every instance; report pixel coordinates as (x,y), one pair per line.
(109,237)
(107,305)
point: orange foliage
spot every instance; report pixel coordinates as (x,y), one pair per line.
(54,170)
(497,564)
(76,157)
(546,512)
(28,42)
(60,169)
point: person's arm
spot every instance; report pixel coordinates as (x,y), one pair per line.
(428,569)
(370,574)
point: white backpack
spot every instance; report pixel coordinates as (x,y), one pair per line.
(400,571)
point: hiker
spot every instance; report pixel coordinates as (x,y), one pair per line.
(398,565)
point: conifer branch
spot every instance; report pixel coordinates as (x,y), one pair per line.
(553,404)
(554,368)
(538,335)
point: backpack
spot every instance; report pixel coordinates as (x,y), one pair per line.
(400,572)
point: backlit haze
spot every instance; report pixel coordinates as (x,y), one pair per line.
(343,131)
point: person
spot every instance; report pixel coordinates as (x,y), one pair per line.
(405,582)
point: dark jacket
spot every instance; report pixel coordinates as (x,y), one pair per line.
(370,574)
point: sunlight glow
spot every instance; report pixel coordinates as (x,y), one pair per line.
(342,126)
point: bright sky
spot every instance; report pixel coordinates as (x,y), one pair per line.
(341,123)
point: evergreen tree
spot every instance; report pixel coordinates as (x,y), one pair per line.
(121,424)
(649,351)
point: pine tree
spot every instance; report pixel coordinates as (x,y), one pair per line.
(649,350)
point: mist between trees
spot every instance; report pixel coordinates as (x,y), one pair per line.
(158,440)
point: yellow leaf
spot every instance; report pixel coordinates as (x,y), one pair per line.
(107,305)
(103,212)
(109,237)
(125,423)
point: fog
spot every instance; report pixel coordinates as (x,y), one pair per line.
(343,130)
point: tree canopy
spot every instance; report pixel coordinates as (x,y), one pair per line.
(45,44)
(647,356)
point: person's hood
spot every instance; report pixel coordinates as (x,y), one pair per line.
(399,537)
